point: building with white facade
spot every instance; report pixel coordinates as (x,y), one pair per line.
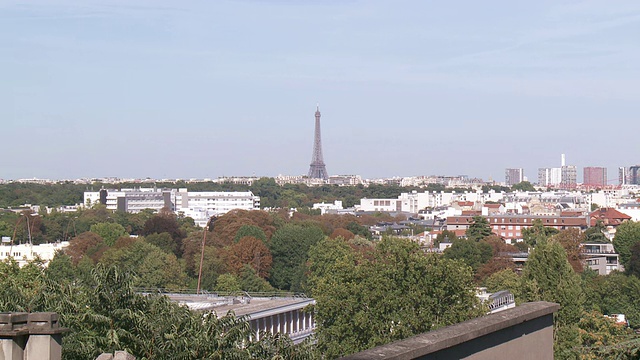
(23,253)
(601,258)
(238,180)
(131,200)
(415,202)
(202,205)
(324,207)
(199,205)
(345,180)
(549,176)
(632,209)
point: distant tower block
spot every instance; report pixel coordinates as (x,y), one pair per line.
(317,169)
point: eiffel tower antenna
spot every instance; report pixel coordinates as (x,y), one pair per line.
(317,169)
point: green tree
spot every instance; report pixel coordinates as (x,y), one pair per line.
(548,276)
(250,281)
(252,231)
(354,307)
(53,226)
(153,267)
(20,286)
(469,251)
(627,234)
(104,313)
(61,268)
(523,186)
(617,293)
(595,235)
(322,259)
(212,267)
(634,261)
(506,279)
(549,268)
(5,229)
(602,338)
(133,223)
(164,241)
(289,248)
(479,228)
(537,232)
(109,232)
(358,229)
(228,283)
(268,191)
(445,235)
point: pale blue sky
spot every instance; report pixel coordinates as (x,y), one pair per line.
(194,89)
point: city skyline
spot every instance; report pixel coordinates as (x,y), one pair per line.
(202,90)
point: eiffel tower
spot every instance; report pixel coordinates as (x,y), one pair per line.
(317,169)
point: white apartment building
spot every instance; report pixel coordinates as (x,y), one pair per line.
(345,180)
(549,176)
(199,205)
(132,200)
(202,205)
(414,202)
(23,253)
(601,258)
(337,205)
(632,209)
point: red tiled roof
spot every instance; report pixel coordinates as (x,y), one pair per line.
(609,216)
(458,232)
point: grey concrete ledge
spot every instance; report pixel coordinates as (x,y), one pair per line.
(20,323)
(450,336)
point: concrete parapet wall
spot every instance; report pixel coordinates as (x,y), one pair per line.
(118,355)
(30,336)
(524,332)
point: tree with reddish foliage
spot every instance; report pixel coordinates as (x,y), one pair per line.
(499,261)
(374,219)
(494,265)
(330,222)
(343,233)
(499,246)
(86,244)
(227,226)
(249,251)
(570,240)
(165,222)
(192,248)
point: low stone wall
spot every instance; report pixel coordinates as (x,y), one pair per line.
(524,332)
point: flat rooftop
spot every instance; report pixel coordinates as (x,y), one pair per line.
(240,305)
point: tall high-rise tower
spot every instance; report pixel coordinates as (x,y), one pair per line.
(317,169)
(513,176)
